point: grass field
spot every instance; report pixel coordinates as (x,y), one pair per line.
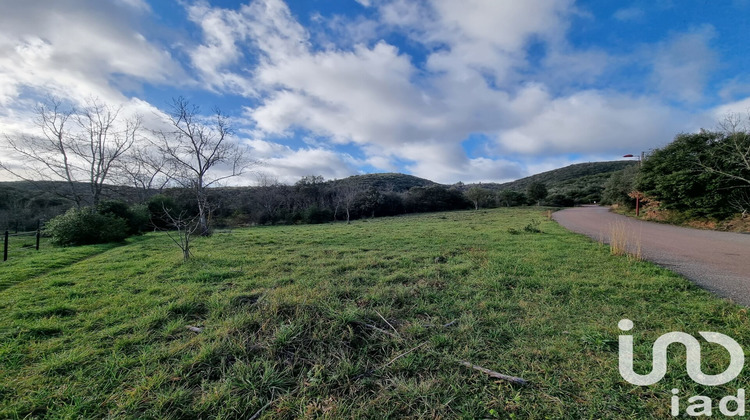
(368,320)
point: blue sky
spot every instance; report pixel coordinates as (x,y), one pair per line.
(470,90)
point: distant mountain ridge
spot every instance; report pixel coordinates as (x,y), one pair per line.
(565,176)
(29,201)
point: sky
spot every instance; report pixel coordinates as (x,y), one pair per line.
(448,90)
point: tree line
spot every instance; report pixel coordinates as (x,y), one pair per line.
(704,175)
(80,157)
(79,151)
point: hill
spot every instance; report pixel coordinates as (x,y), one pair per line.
(384,182)
(22,204)
(576,175)
(575,184)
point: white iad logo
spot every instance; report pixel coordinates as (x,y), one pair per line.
(693,365)
(693,350)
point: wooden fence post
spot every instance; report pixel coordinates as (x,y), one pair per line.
(5,247)
(38,232)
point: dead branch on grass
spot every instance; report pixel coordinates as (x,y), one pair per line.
(497,375)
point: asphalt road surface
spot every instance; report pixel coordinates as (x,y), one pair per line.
(717,261)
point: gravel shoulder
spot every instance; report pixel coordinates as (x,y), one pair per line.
(716,261)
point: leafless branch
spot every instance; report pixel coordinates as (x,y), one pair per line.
(195,150)
(76,146)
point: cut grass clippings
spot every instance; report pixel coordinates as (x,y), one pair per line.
(368,320)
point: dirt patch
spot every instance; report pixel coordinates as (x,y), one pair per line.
(737,224)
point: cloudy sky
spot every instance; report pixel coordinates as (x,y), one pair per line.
(450,90)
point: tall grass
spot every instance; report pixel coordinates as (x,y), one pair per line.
(623,241)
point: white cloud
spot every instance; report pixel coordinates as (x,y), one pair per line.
(478,36)
(354,96)
(231,37)
(506,26)
(76,50)
(288,166)
(139,5)
(741,107)
(592,122)
(465,69)
(682,64)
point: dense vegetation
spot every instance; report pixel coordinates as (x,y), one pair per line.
(555,178)
(315,200)
(704,175)
(23,203)
(581,183)
(369,320)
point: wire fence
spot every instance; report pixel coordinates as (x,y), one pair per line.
(24,240)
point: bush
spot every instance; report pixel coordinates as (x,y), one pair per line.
(673,175)
(559,200)
(536,192)
(315,215)
(136,217)
(140,219)
(619,186)
(84,227)
(156,206)
(509,198)
(435,198)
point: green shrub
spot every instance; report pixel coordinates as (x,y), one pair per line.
(136,217)
(559,200)
(84,226)
(140,219)
(156,206)
(316,215)
(533,227)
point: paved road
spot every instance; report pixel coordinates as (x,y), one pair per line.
(716,261)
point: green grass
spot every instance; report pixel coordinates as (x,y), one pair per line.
(25,261)
(291,325)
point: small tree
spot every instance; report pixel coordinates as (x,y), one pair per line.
(269,195)
(478,196)
(618,187)
(536,192)
(367,201)
(184,227)
(345,195)
(740,201)
(674,177)
(510,198)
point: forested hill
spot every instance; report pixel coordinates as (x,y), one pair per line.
(23,203)
(580,173)
(384,182)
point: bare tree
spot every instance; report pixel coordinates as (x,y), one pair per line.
(200,152)
(345,196)
(146,171)
(730,155)
(740,201)
(184,228)
(269,194)
(77,146)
